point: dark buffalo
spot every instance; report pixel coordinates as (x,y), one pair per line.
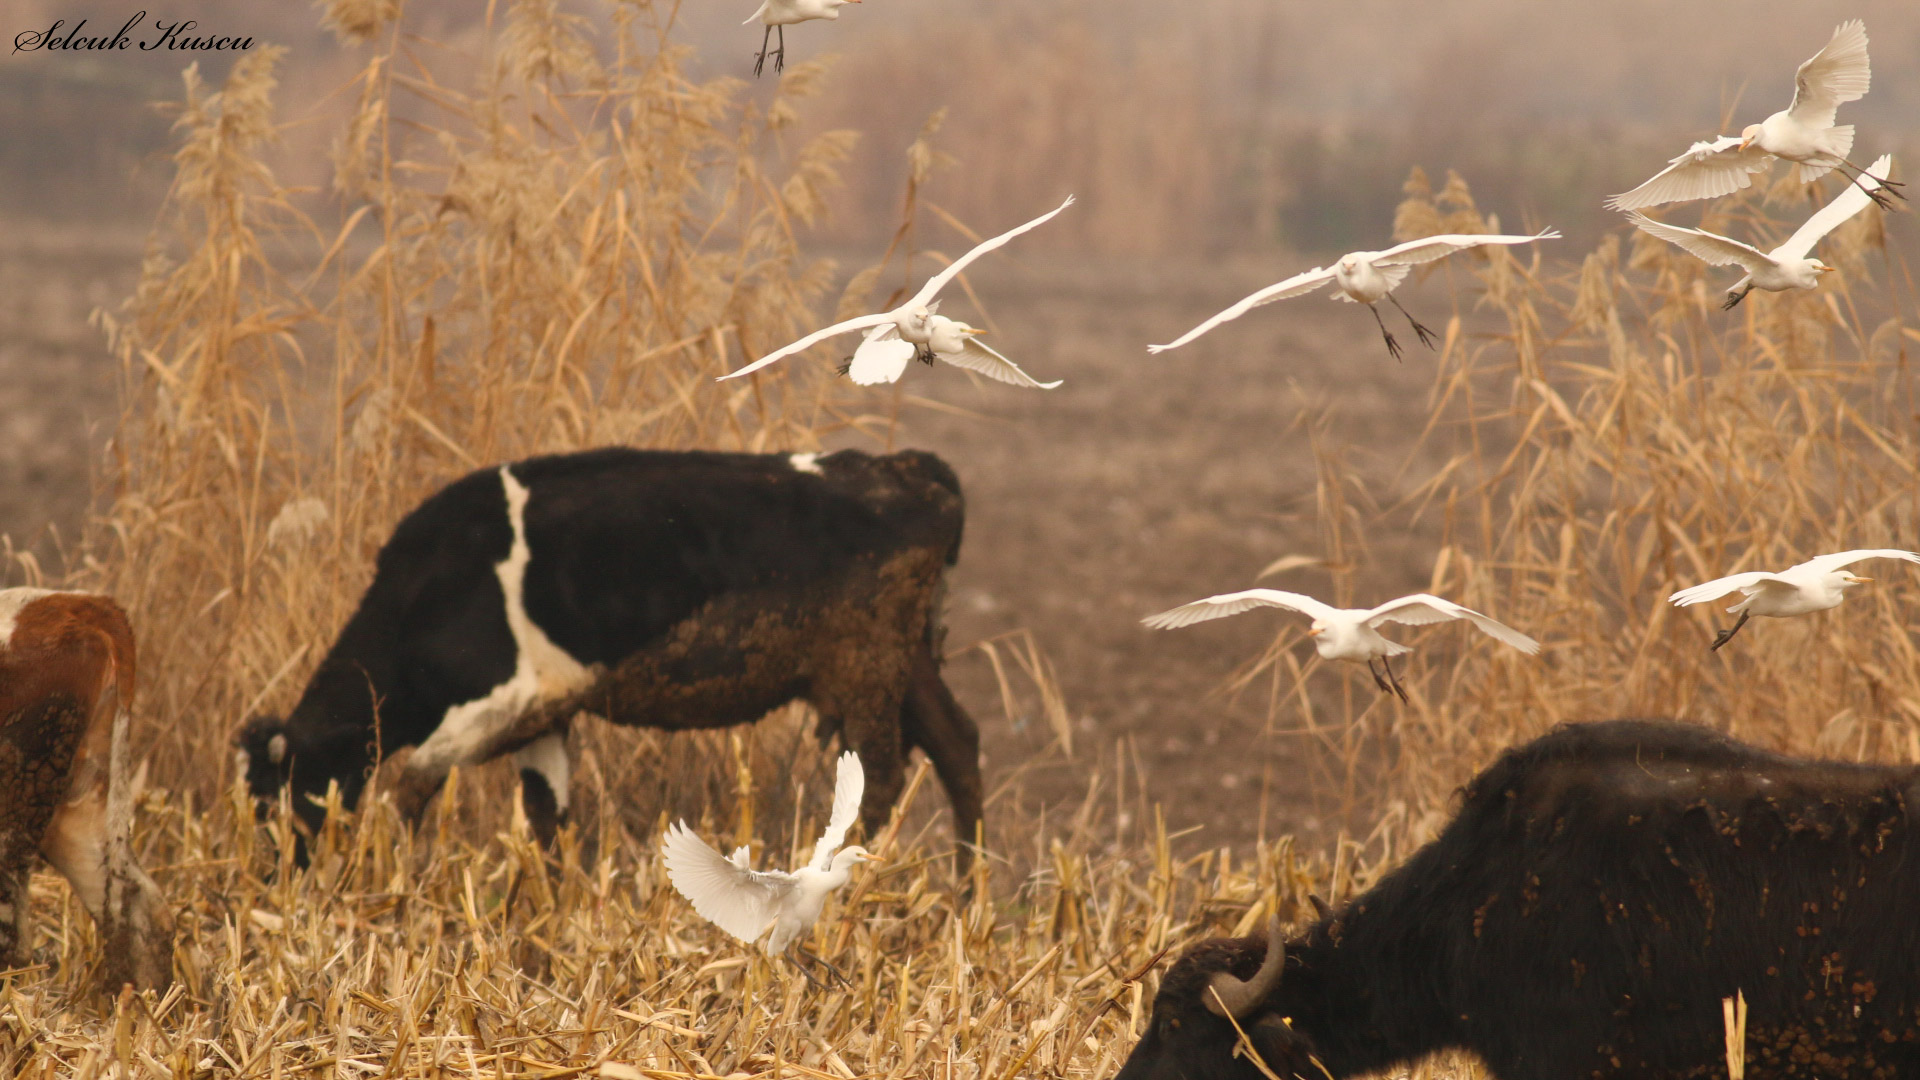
(1600,891)
(661,589)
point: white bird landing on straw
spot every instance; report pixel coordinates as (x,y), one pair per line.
(784,13)
(1815,585)
(1803,133)
(1785,267)
(915,329)
(747,903)
(1347,633)
(1364,278)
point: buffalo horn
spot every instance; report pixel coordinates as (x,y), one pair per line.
(1233,997)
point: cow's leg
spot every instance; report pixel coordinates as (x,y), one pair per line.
(933,721)
(545,777)
(863,698)
(136,930)
(14,951)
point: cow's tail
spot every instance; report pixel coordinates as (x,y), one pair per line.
(138,931)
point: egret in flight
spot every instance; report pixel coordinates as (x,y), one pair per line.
(1803,133)
(1364,278)
(1347,633)
(1815,585)
(747,903)
(916,329)
(784,13)
(1785,267)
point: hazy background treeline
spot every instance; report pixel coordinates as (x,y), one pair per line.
(1205,127)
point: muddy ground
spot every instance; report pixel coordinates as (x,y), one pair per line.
(1142,483)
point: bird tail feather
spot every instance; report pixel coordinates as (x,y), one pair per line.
(755,17)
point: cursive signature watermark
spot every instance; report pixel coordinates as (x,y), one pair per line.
(181,34)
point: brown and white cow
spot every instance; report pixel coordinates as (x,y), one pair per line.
(66,684)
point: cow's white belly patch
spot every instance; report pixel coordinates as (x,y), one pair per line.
(541,670)
(806,463)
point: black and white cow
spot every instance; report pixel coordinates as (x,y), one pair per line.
(674,590)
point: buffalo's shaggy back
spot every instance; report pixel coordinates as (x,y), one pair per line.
(1600,891)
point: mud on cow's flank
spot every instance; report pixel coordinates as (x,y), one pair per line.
(669,590)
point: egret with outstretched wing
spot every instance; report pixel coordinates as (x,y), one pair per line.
(1364,277)
(1815,585)
(1347,633)
(1803,133)
(747,903)
(881,358)
(1786,266)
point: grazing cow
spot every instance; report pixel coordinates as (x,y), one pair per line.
(1601,890)
(66,681)
(675,590)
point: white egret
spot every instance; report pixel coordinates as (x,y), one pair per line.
(1815,585)
(1803,133)
(1786,266)
(784,13)
(1364,278)
(748,903)
(916,329)
(1346,633)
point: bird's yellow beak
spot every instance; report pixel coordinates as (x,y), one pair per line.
(870,856)
(1859,580)
(1823,268)
(971,330)
(1316,631)
(1746,142)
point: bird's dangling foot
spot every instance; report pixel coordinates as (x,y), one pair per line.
(760,61)
(1727,634)
(811,958)
(780,54)
(845,366)
(1734,296)
(1401,691)
(1427,337)
(1378,681)
(925,355)
(811,977)
(1392,345)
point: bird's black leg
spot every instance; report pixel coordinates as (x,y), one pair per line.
(841,975)
(1427,337)
(780,54)
(802,969)
(1893,186)
(1727,634)
(1734,297)
(1377,680)
(761,60)
(1395,680)
(1878,195)
(1392,345)
(844,366)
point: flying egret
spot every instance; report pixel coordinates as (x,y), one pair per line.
(1346,633)
(745,902)
(916,329)
(784,13)
(1364,277)
(1815,585)
(1786,266)
(1803,133)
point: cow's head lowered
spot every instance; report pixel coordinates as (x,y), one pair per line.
(1217,985)
(273,758)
